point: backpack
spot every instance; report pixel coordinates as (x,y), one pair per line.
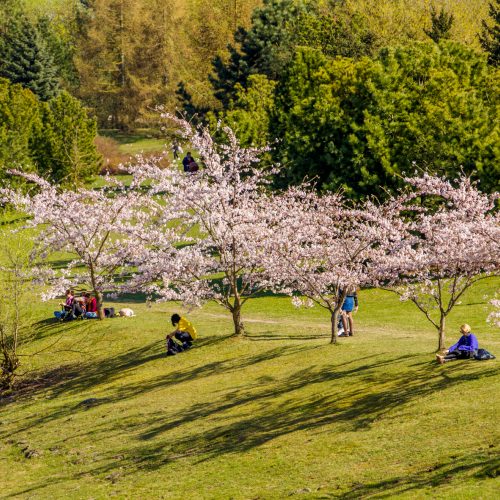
(109,312)
(173,347)
(483,355)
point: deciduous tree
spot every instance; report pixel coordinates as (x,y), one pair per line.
(93,227)
(323,249)
(219,214)
(453,242)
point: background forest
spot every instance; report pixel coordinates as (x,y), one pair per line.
(357,92)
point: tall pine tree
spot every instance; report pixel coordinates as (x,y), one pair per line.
(441,25)
(490,35)
(266,48)
(24,58)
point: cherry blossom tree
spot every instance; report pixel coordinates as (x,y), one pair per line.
(453,242)
(494,316)
(218,215)
(93,227)
(322,248)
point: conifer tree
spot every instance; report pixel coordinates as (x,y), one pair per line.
(441,25)
(24,58)
(19,117)
(64,148)
(490,35)
(123,61)
(266,48)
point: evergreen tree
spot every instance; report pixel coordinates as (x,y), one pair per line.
(278,28)
(19,117)
(24,58)
(64,148)
(359,125)
(337,32)
(266,48)
(441,25)
(59,37)
(490,35)
(249,115)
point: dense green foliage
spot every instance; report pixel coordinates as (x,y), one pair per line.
(249,114)
(356,123)
(277,29)
(19,117)
(441,25)
(55,138)
(64,145)
(266,48)
(490,35)
(25,59)
(361,125)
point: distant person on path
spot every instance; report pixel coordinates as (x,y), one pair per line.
(465,348)
(184,331)
(349,305)
(176,149)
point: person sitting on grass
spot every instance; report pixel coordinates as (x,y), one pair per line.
(184,331)
(66,306)
(77,309)
(68,303)
(90,306)
(465,348)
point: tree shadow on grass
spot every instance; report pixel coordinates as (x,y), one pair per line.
(356,406)
(479,465)
(272,335)
(353,395)
(53,326)
(82,378)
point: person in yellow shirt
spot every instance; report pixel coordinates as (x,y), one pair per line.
(184,331)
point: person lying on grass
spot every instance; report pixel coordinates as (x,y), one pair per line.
(184,331)
(465,348)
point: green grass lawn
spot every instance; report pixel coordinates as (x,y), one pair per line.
(141,141)
(280,413)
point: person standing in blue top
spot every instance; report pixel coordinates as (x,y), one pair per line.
(349,305)
(465,348)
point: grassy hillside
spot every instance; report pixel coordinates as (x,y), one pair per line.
(279,413)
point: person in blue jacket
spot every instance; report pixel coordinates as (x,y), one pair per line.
(465,348)
(349,305)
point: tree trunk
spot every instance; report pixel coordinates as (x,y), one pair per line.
(9,366)
(100,310)
(442,323)
(239,330)
(335,325)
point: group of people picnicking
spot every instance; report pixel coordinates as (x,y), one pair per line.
(184,333)
(75,307)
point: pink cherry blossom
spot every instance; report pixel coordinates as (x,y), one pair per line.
(452,242)
(91,228)
(205,240)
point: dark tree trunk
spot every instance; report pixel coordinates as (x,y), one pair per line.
(239,330)
(442,323)
(335,325)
